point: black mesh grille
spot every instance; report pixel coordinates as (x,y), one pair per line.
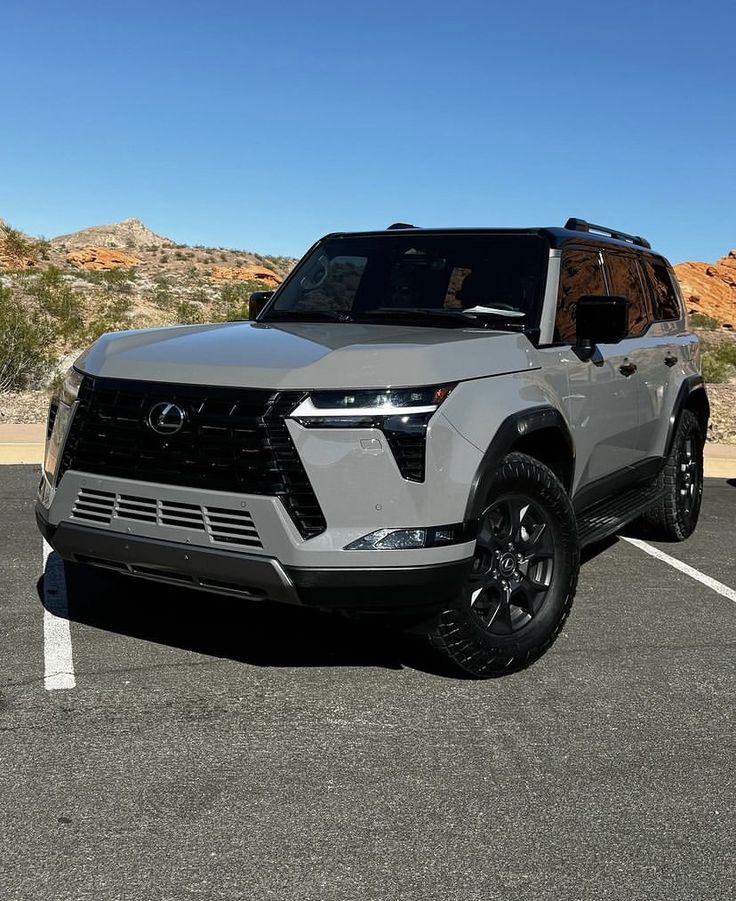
(233,439)
(407,438)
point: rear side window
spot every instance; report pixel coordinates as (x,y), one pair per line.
(581,273)
(665,303)
(625,278)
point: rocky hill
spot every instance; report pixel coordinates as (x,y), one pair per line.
(129,233)
(710,288)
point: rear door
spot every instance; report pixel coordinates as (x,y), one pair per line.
(602,404)
(665,353)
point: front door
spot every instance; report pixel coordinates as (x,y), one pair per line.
(602,401)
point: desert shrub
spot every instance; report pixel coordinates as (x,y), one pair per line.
(232,303)
(199,295)
(164,258)
(16,244)
(112,316)
(188,313)
(719,362)
(118,279)
(178,255)
(163,298)
(24,345)
(701,320)
(59,300)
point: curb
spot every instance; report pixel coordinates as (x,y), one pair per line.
(22,442)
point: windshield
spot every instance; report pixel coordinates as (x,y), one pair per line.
(494,280)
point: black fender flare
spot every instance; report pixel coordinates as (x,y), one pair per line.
(689,385)
(512,429)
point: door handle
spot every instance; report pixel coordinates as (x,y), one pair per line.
(670,360)
(627,368)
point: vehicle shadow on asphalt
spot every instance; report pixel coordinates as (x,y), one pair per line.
(259,634)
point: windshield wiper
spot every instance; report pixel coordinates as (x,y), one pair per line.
(495,311)
(307,316)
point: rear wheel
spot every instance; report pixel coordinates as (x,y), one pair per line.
(675,516)
(524,575)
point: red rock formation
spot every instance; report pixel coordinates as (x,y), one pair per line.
(710,288)
(101,258)
(245,273)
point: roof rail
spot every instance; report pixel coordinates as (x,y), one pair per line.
(580,225)
(401,225)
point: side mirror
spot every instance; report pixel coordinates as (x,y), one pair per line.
(257,302)
(599,319)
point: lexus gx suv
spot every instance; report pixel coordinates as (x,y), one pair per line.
(426,424)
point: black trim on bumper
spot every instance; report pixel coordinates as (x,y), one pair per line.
(257,577)
(405,588)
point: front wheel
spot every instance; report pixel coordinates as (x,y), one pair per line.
(524,575)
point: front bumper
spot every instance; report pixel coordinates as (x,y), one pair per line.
(257,576)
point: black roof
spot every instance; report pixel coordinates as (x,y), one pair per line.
(575,231)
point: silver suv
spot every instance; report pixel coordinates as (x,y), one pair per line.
(425,424)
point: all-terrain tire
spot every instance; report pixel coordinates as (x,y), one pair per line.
(461,634)
(675,515)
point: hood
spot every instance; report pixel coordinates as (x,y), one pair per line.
(306,355)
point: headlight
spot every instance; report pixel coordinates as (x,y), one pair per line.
(339,409)
(60,415)
(401,414)
(70,386)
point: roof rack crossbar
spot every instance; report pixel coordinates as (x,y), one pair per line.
(580,225)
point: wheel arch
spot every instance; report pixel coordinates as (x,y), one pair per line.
(690,396)
(540,432)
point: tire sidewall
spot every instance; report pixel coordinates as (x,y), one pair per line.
(687,426)
(520,475)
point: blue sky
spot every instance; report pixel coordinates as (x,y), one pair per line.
(262,126)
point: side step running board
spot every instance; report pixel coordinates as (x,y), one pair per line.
(608,517)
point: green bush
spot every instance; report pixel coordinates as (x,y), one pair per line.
(113,316)
(719,363)
(16,244)
(162,297)
(24,345)
(60,301)
(233,303)
(700,320)
(188,313)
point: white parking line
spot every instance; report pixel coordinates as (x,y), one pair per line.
(708,581)
(57,639)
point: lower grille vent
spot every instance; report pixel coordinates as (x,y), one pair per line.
(221,525)
(95,506)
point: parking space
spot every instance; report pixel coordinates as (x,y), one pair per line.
(211,750)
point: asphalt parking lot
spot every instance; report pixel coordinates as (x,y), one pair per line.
(211,751)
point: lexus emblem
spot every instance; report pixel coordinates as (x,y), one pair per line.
(166,418)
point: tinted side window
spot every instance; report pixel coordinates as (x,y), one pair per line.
(625,278)
(665,304)
(581,273)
